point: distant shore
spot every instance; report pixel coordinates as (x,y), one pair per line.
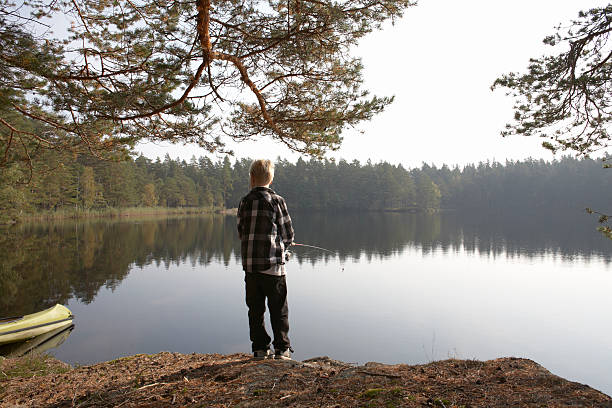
(124,212)
(215,380)
(227,211)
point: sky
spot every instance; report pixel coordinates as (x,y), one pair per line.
(439,60)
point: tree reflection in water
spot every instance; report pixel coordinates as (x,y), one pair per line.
(45,264)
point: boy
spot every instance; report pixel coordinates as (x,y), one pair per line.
(265,231)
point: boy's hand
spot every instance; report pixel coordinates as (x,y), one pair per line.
(287,256)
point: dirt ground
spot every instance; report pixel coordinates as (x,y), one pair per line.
(212,380)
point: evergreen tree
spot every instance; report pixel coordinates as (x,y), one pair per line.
(132,69)
(88,187)
(149,197)
(565,98)
(13,197)
(428,193)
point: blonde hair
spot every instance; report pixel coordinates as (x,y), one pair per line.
(262,172)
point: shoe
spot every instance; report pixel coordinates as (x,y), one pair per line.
(283,354)
(262,354)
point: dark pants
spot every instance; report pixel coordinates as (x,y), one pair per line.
(260,286)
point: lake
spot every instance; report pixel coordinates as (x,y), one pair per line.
(403,288)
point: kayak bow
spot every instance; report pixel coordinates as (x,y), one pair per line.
(16,329)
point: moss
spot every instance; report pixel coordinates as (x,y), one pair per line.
(259,392)
(391,397)
(371,393)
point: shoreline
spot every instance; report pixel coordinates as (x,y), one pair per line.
(122,212)
(127,212)
(236,380)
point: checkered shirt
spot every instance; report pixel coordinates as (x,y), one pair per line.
(264,228)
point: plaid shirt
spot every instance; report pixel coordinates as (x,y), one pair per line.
(264,228)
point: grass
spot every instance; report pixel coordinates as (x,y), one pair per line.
(30,365)
(120,360)
(78,213)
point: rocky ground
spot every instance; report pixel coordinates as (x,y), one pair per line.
(198,380)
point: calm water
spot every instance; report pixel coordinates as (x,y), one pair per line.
(404,288)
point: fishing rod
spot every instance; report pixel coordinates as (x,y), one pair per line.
(312,246)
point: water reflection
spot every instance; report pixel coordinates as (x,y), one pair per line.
(568,235)
(41,265)
(39,344)
(45,264)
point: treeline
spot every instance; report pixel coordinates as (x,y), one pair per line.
(89,184)
(512,187)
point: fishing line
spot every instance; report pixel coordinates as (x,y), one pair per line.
(315,247)
(322,249)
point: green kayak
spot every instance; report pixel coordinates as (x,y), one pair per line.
(38,344)
(14,329)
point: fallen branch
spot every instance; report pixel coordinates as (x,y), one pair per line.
(380,374)
(152,385)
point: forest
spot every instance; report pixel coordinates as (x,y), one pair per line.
(89,184)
